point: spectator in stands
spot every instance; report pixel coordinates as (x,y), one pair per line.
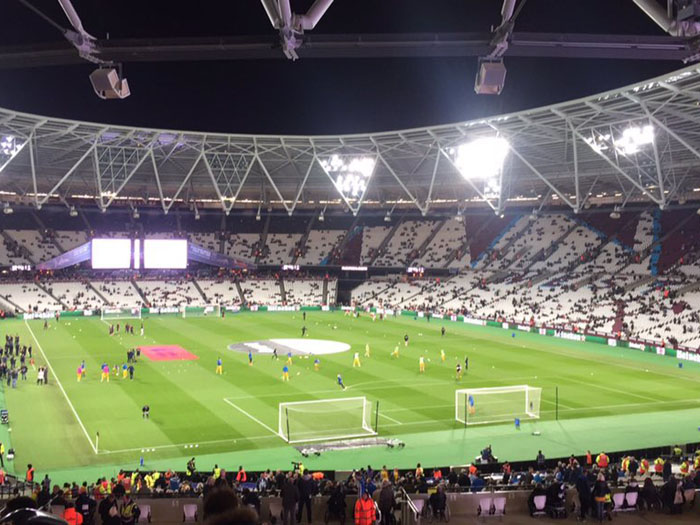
(109,510)
(290,498)
(336,503)
(583,487)
(602,498)
(364,510)
(307,488)
(387,501)
(71,516)
(86,505)
(219,501)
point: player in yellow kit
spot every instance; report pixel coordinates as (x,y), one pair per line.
(442,355)
(219,367)
(285,373)
(395,353)
(356,360)
(366,349)
(421,364)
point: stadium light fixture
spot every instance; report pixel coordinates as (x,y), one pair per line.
(7,209)
(72,211)
(9,145)
(350,174)
(634,138)
(135,214)
(481,158)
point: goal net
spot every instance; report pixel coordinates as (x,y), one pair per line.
(325,419)
(120,313)
(210,310)
(475,406)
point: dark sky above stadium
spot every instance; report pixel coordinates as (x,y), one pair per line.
(315,95)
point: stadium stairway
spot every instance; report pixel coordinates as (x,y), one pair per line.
(263,238)
(324,296)
(385,241)
(199,289)
(98,293)
(139,291)
(47,292)
(464,249)
(424,246)
(283,292)
(240,292)
(14,307)
(302,242)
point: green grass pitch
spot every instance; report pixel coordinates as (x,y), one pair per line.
(608,398)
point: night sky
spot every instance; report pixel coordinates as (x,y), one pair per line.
(314,96)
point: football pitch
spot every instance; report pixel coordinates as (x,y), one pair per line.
(606,398)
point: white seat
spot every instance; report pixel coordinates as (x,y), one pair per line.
(540,502)
(484,508)
(189,512)
(145,515)
(499,506)
(689,495)
(631,500)
(419,503)
(619,501)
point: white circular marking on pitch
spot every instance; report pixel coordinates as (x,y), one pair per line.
(313,346)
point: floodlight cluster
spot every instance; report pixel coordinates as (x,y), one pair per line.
(8,145)
(632,140)
(481,158)
(350,174)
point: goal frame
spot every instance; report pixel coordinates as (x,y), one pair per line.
(216,310)
(283,420)
(495,390)
(135,313)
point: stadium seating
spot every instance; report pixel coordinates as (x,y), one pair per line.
(68,240)
(170,293)
(402,246)
(262,291)
(319,244)
(222,292)
(449,238)
(28,297)
(119,294)
(280,247)
(303,292)
(372,238)
(38,248)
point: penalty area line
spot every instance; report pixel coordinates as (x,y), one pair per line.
(58,382)
(251,416)
(391,419)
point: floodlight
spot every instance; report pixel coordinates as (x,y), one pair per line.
(8,145)
(481,158)
(135,213)
(73,212)
(387,217)
(321,218)
(7,209)
(633,138)
(350,174)
(257,216)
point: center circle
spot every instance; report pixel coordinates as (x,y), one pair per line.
(293,346)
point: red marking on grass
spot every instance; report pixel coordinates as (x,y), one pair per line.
(167,353)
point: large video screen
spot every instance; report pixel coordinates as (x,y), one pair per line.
(165,253)
(111,254)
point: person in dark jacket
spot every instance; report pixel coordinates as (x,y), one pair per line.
(290,498)
(336,503)
(650,496)
(86,506)
(307,489)
(387,501)
(667,470)
(583,487)
(438,502)
(109,510)
(602,498)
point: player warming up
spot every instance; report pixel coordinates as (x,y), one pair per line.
(285,373)
(146,412)
(421,364)
(442,355)
(250,358)
(459,372)
(395,353)
(340,382)
(303,330)
(405,340)
(366,349)
(274,354)
(356,360)
(317,364)
(125,370)
(289,358)
(105,372)
(466,364)
(80,373)
(219,367)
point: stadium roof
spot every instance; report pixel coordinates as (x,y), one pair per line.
(573,153)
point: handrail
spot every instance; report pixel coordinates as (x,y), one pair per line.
(405,497)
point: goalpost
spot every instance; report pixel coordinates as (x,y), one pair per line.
(120,313)
(476,406)
(326,419)
(209,310)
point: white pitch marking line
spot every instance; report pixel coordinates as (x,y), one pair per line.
(58,382)
(251,416)
(179,445)
(391,419)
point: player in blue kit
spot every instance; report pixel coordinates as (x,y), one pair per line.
(340,382)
